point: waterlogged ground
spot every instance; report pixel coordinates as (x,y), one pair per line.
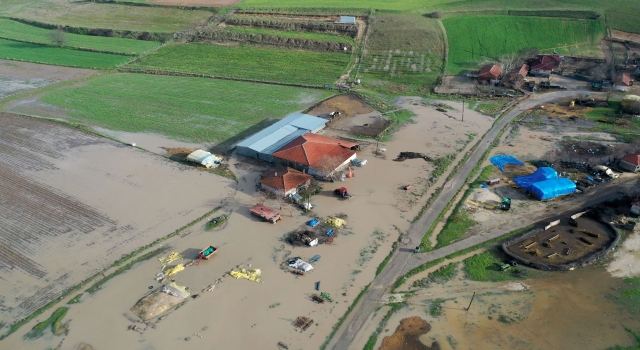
(563,310)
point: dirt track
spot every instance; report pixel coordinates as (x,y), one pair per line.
(397,265)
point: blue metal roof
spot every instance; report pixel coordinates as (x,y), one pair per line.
(284,131)
(348,19)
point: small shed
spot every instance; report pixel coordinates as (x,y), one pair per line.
(265,213)
(347,20)
(204,158)
(630,163)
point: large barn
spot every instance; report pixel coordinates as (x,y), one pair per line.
(262,144)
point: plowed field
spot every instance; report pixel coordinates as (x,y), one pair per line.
(72,203)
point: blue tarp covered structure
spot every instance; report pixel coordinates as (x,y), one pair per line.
(551,188)
(502,159)
(541,174)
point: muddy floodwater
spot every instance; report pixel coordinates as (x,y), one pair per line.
(407,336)
(560,310)
(564,243)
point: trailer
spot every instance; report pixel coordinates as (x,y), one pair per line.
(207,252)
(265,213)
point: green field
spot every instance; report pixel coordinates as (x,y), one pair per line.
(403,53)
(292,34)
(16,50)
(473,39)
(103,15)
(19,31)
(250,62)
(188,109)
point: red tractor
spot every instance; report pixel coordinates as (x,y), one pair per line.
(342,192)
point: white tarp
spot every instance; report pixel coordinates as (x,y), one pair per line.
(313,243)
(301,265)
(205,158)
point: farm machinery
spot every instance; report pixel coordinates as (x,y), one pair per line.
(342,193)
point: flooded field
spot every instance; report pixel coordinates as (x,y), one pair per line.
(407,336)
(560,310)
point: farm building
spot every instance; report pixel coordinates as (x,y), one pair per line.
(522,73)
(489,74)
(630,163)
(318,155)
(262,144)
(623,82)
(543,65)
(283,180)
(347,20)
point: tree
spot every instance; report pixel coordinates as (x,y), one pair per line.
(58,37)
(509,63)
(436,14)
(631,104)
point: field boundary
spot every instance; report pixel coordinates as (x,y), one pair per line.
(306,11)
(209,76)
(120,33)
(215,10)
(568,14)
(69,47)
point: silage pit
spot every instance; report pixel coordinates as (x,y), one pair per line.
(564,246)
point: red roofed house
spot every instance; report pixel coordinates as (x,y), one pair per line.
(317,154)
(630,163)
(283,180)
(543,65)
(623,82)
(522,73)
(489,73)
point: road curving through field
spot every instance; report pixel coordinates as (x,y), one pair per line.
(396,266)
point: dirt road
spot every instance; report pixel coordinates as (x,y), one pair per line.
(396,266)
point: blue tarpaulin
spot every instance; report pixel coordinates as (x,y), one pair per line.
(502,159)
(551,188)
(541,174)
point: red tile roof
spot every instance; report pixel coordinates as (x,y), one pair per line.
(310,148)
(626,79)
(633,159)
(283,178)
(545,62)
(523,70)
(490,72)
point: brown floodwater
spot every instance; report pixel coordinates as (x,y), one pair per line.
(407,336)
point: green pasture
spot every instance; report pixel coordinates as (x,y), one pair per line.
(250,62)
(105,15)
(404,53)
(19,31)
(474,39)
(188,109)
(292,34)
(16,50)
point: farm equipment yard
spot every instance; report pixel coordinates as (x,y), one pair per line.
(372,175)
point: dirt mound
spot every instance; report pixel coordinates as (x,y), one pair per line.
(371,129)
(407,336)
(512,170)
(348,105)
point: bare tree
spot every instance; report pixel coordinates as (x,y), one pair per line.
(327,165)
(58,37)
(509,62)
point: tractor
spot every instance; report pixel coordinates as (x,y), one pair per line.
(506,204)
(342,193)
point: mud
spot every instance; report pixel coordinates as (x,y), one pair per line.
(564,243)
(407,336)
(348,105)
(74,202)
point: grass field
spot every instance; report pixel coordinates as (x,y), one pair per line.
(16,50)
(292,34)
(473,39)
(404,53)
(101,15)
(19,31)
(250,62)
(486,267)
(188,109)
